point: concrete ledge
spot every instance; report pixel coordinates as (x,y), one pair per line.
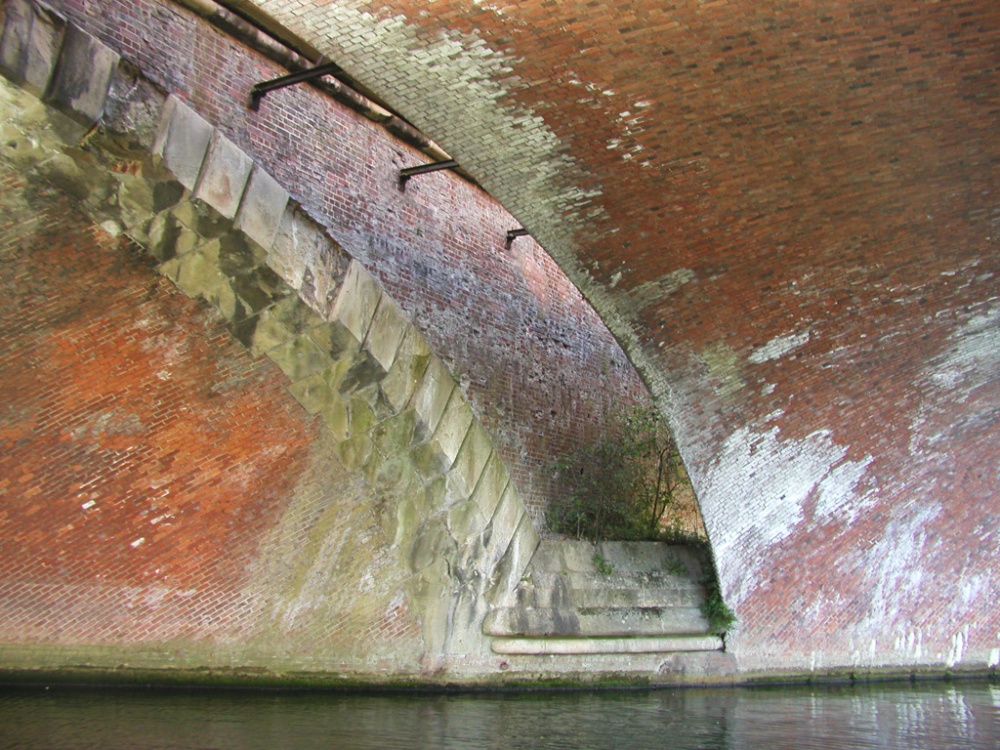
(573,646)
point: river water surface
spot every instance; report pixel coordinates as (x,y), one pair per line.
(930,716)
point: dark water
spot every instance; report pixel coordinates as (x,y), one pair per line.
(930,716)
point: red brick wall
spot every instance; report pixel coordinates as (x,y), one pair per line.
(533,358)
(143,452)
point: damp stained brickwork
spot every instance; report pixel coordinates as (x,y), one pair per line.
(787,215)
(539,367)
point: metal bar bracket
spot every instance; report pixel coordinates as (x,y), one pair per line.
(513,234)
(259,90)
(406,174)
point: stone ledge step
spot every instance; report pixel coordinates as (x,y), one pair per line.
(578,646)
(655,558)
(594,590)
(595,622)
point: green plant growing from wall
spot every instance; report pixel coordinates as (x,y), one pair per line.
(713,608)
(621,486)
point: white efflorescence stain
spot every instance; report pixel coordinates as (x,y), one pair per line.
(779,347)
(755,491)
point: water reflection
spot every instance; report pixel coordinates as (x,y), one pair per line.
(931,716)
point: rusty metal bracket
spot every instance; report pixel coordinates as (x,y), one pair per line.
(259,90)
(406,174)
(515,233)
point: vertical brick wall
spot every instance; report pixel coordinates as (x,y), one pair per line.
(535,361)
(143,452)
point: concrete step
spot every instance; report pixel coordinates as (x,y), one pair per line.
(595,622)
(588,589)
(583,646)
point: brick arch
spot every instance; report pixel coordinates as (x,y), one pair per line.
(403,526)
(782,214)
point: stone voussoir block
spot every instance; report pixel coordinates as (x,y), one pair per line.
(407,368)
(491,485)
(357,301)
(507,572)
(262,208)
(432,394)
(453,427)
(82,78)
(182,141)
(223,176)
(31,40)
(385,334)
(471,460)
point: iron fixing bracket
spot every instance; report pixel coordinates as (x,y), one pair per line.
(513,234)
(259,90)
(406,174)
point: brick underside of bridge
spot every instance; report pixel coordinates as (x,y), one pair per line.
(789,220)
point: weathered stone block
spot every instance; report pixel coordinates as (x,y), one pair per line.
(30,44)
(298,358)
(261,210)
(314,393)
(335,340)
(394,436)
(223,176)
(465,521)
(195,273)
(453,426)
(183,141)
(82,77)
(471,459)
(491,486)
(355,452)
(407,368)
(514,561)
(509,514)
(337,418)
(386,332)
(357,301)
(431,396)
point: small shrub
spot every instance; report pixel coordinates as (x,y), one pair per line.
(720,617)
(602,566)
(621,486)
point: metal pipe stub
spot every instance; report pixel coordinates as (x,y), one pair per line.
(259,90)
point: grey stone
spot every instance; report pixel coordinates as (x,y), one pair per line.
(471,459)
(386,331)
(183,141)
(223,176)
(408,367)
(357,301)
(453,426)
(491,486)
(431,396)
(514,560)
(298,358)
(79,86)
(567,646)
(263,206)
(30,44)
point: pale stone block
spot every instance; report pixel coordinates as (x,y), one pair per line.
(263,206)
(299,357)
(82,78)
(407,368)
(508,516)
(357,301)
(508,571)
(224,176)
(465,521)
(453,427)
(491,486)
(471,459)
(386,331)
(314,392)
(432,395)
(30,44)
(183,141)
